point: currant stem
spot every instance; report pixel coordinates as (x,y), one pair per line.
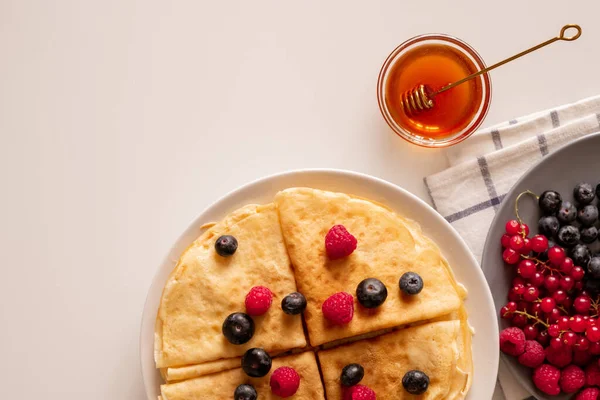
(529,192)
(529,316)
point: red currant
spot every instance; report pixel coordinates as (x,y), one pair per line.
(531,294)
(582,304)
(567,265)
(578,286)
(510,256)
(569,338)
(524,230)
(526,247)
(526,269)
(505,240)
(552,283)
(508,310)
(556,255)
(563,323)
(577,323)
(568,302)
(553,330)
(522,306)
(554,315)
(513,227)
(594,348)
(519,320)
(517,280)
(593,334)
(591,322)
(556,343)
(582,343)
(535,308)
(531,332)
(519,288)
(537,279)
(577,273)
(559,296)
(539,243)
(516,243)
(566,283)
(543,338)
(548,304)
(513,295)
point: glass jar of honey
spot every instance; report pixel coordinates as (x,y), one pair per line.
(434,60)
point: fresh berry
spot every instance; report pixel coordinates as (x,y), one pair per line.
(513,227)
(543,338)
(548,303)
(588,234)
(580,255)
(510,256)
(512,341)
(568,236)
(577,323)
(588,394)
(411,283)
(567,213)
(546,378)
(548,226)
(531,294)
(582,343)
(505,240)
(258,300)
(256,363)
(416,382)
(577,273)
(594,267)
(582,304)
(551,283)
(582,357)
(553,330)
(584,193)
(293,303)
(238,328)
(554,315)
(534,354)
(572,378)
(594,348)
(531,332)
(371,293)
(556,255)
(539,243)
(526,269)
(284,382)
(592,375)
(569,339)
(339,308)
(519,321)
(360,392)
(566,283)
(555,344)
(559,296)
(339,242)
(588,215)
(563,323)
(550,201)
(524,230)
(516,243)
(593,333)
(352,374)
(526,249)
(245,392)
(567,265)
(226,245)
(537,279)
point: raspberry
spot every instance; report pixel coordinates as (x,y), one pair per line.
(339,308)
(258,300)
(545,378)
(533,356)
(359,392)
(592,375)
(339,242)
(581,357)
(572,379)
(560,357)
(512,341)
(588,394)
(284,382)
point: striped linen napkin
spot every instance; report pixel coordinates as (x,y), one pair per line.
(484,168)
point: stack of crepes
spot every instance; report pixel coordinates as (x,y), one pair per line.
(282,247)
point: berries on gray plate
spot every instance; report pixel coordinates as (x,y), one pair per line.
(238,328)
(371,293)
(567,212)
(594,267)
(226,245)
(352,374)
(415,382)
(568,236)
(588,215)
(245,392)
(588,234)
(550,202)
(411,283)
(293,303)
(580,255)
(584,193)
(548,226)
(256,363)
(543,256)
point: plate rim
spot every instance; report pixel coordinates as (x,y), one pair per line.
(150,317)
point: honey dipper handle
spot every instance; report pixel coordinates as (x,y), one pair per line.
(561,36)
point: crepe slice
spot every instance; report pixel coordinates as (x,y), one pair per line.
(386,250)
(205,288)
(433,348)
(223,384)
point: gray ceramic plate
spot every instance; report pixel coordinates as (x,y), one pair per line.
(561,171)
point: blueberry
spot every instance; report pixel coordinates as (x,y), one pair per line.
(588,234)
(352,374)
(238,328)
(226,245)
(548,226)
(245,392)
(568,236)
(415,382)
(594,267)
(588,215)
(371,293)
(411,283)
(550,202)
(584,193)
(256,363)
(567,212)
(580,255)
(293,303)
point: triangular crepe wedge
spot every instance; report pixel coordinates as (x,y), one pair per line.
(433,348)
(222,385)
(205,288)
(386,250)
(176,374)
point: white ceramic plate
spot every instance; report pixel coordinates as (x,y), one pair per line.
(480,305)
